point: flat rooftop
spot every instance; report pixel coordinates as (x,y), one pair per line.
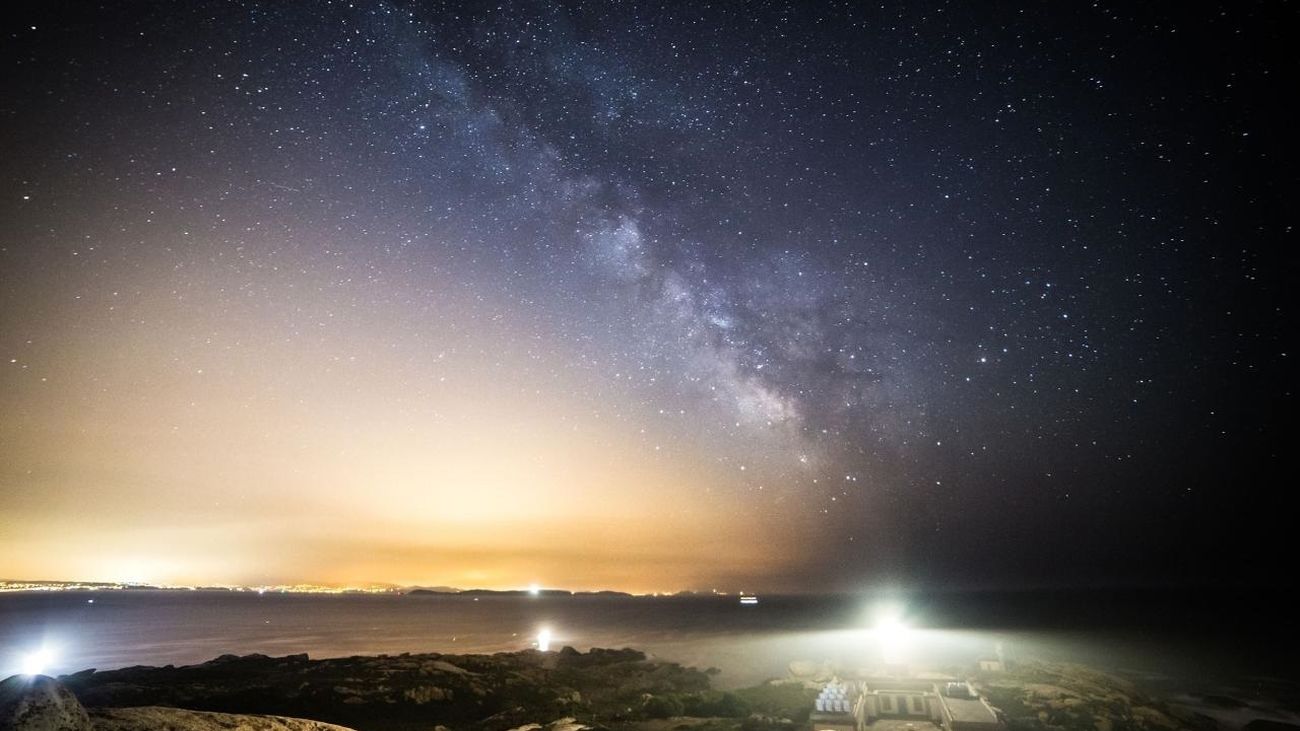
(902,685)
(968,710)
(900,724)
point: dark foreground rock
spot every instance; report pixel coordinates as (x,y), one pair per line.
(39,703)
(156,718)
(477,692)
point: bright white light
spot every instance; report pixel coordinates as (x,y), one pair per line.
(534,589)
(544,640)
(892,632)
(35,663)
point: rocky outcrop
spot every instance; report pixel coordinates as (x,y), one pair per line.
(1048,695)
(40,703)
(153,718)
(464,692)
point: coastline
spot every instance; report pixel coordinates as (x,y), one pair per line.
(568,690)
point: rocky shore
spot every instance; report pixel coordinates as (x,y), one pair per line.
(565,691)
(599,690)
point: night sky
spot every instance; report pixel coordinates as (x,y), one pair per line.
(650,297)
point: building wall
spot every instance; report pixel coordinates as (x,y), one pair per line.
(901,704)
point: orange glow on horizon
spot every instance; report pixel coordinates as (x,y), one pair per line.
(346,460)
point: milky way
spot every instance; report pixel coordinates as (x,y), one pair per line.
(872,293)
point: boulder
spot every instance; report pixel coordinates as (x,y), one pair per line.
(427,694)
(40,703)
(566,724)
(804,668)
(442,666)
(560,724)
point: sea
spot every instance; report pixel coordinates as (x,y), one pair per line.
(1187,643)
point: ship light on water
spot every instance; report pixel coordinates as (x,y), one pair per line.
(544,640)
(748,599)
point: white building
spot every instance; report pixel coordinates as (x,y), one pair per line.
(902,704)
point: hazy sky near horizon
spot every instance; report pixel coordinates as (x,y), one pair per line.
(641,296)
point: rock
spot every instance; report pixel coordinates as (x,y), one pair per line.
(804,668)
(40,703)
(479,692)
(760,722)
(443,666)
(427,694)
(511,718)
(627,654)
(567,723)
(1223,701)
(1264,724)
(152,718)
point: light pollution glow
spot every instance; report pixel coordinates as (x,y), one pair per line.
(182,443)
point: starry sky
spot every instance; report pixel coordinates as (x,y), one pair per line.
(645,296)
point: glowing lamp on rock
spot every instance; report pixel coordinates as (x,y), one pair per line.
(36,662)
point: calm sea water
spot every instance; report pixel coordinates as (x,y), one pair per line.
(1180,636)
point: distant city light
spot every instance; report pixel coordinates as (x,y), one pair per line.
(35,663)
(544,640)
